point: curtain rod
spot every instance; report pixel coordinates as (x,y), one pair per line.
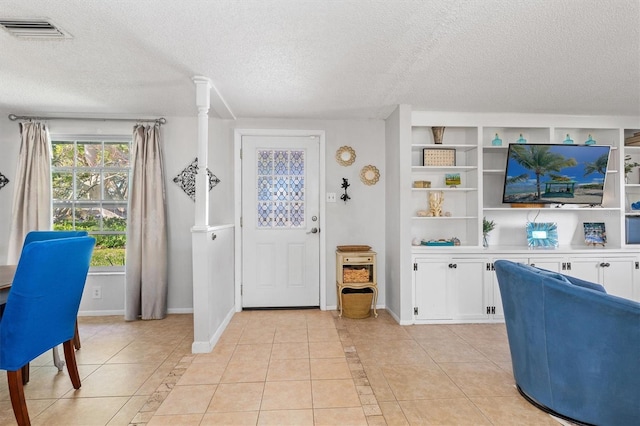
(160,120)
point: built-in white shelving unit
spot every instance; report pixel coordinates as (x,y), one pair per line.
(457,283)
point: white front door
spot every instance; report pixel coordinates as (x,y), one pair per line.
(280,221)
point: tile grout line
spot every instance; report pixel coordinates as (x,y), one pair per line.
(147,411)
(368,399)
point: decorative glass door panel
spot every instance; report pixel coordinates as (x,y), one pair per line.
(280,188)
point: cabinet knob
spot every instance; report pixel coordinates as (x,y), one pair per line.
(453,266)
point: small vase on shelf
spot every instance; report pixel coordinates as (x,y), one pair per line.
(487,226)
(438,134)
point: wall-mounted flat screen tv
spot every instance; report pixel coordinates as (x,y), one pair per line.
(555,174)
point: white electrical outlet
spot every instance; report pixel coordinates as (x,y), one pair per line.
(331,197)
(97,292)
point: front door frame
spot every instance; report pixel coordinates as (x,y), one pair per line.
(237,136)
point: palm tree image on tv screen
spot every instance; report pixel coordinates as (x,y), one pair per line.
(555,174)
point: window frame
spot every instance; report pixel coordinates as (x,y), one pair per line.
(80,138)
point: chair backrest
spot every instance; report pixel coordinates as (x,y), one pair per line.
(50,235)
(44,299)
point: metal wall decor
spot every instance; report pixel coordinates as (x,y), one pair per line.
(345,184)
(187,179)
(3,180)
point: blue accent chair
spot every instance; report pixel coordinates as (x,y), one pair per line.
(52,235)
(575,349)
(41,310)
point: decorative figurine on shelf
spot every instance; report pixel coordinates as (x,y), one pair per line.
(345,184)
(438,134)
(521,139)
(487,226)
(590,141)
(496,141)
(567,140)
(436,199)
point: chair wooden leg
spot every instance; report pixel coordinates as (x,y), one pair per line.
(25,374)
(72,367)
(16,393)
(76,338)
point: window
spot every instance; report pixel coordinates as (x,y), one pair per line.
(90,180)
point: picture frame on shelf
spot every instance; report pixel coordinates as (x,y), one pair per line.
(452,180)
(594,233)
(439,157)
(542,235)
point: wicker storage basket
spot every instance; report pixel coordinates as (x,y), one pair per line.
(356,304)
(355,275)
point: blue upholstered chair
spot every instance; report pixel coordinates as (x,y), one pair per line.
(52,235)
(575,350)
(42,308)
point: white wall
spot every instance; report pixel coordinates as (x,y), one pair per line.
(398,252)
(360,221)
(9,148)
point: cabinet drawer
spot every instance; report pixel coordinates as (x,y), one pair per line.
(358,259)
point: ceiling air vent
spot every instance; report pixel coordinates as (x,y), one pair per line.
(33,28)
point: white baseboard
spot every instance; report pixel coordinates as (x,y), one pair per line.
(101,313)
(104,313)
(202,347)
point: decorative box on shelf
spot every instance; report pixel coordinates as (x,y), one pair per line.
(439,156)
(633,140)
(421,184)
(438,243)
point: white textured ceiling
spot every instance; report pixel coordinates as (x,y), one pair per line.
(326,58)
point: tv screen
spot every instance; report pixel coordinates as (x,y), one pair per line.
(555,174)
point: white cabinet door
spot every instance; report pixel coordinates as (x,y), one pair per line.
(586,268)
(468,287)
(432,296)
(618,276)
(493,298)
(554,265)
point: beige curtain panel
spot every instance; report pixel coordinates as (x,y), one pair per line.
(146,258)
(32,191)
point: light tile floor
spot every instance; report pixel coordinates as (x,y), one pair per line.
(283,367)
